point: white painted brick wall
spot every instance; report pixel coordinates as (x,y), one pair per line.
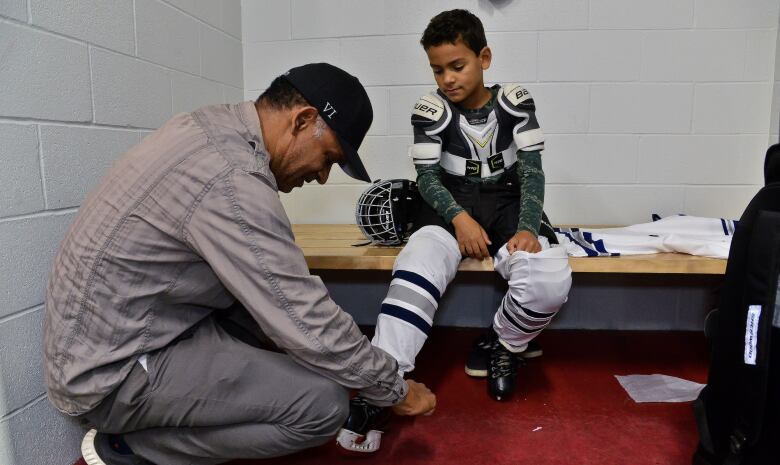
(589,56)
(685,56)
(128,91)
(385,60)
(108,24)
(265,20)
(641,14)
(74,160)
(591,158)
(220,53)
(49,75)
(191,92)
(231,17)
(603,204)
(20,178)
(22,445)
(736,14)
(640,108)
(15,9)
(167,37)
(733,108)
(29,245)
(562,108)
(20,352)
(80,82)
(514,57)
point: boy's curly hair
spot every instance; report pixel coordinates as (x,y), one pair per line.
(449,26)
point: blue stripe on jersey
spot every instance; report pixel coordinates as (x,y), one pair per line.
(588,251)
(407,316)
(723,225)
(415,278)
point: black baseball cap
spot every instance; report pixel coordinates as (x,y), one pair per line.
(342,102)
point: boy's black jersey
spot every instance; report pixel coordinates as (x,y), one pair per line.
(480,144)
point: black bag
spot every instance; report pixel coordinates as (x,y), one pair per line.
(738,412)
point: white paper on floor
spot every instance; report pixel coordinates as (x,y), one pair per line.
(659,388)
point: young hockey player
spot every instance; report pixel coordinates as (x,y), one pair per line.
(477,153)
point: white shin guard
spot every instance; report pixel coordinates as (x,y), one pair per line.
(421,273)
(539,284)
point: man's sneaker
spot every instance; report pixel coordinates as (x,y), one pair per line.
(502,372)
(477,361)
(362,432)
(108,449)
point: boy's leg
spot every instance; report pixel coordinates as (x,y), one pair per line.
(421,273)
(539,285)
(211,398)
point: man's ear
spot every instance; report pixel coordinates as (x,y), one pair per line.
(303,117)
(485,56)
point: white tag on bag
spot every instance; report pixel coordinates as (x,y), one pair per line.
(751,333)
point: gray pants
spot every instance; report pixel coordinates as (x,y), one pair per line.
(210,398)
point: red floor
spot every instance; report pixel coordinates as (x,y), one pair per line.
(569,396)
(569,409)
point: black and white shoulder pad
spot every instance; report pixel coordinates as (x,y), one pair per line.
(516,100)
(431,114)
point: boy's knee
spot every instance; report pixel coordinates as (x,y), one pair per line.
(433,253)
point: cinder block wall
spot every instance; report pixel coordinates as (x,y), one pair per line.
(649,106)
(80,82)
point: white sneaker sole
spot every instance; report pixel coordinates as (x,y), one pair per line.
(476,373)
(88,449)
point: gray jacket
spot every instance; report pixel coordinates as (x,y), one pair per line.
(182,224)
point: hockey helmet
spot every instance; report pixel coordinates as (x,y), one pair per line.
(385,211)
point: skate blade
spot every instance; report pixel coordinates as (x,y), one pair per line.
(355,442)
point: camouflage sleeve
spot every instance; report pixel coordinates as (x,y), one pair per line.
(529,171)
(435,194)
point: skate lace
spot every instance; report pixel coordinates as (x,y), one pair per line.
(502,363)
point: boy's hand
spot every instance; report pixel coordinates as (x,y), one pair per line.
(523,240)
(472,238)
(419,400)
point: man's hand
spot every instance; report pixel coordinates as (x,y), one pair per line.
(472,238)
(419,400)
(523,240)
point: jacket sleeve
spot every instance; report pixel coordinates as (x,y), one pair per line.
(241,229)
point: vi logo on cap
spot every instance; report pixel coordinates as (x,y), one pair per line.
(329,110)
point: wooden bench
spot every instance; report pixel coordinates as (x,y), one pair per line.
(332,247)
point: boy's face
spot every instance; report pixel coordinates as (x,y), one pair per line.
(458,72)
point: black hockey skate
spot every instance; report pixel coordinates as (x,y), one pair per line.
(362,432)
(477,361)
(502,372)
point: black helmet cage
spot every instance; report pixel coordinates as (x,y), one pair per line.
(384,212)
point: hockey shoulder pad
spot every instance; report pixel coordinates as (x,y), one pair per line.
(517,101)
(430,116)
